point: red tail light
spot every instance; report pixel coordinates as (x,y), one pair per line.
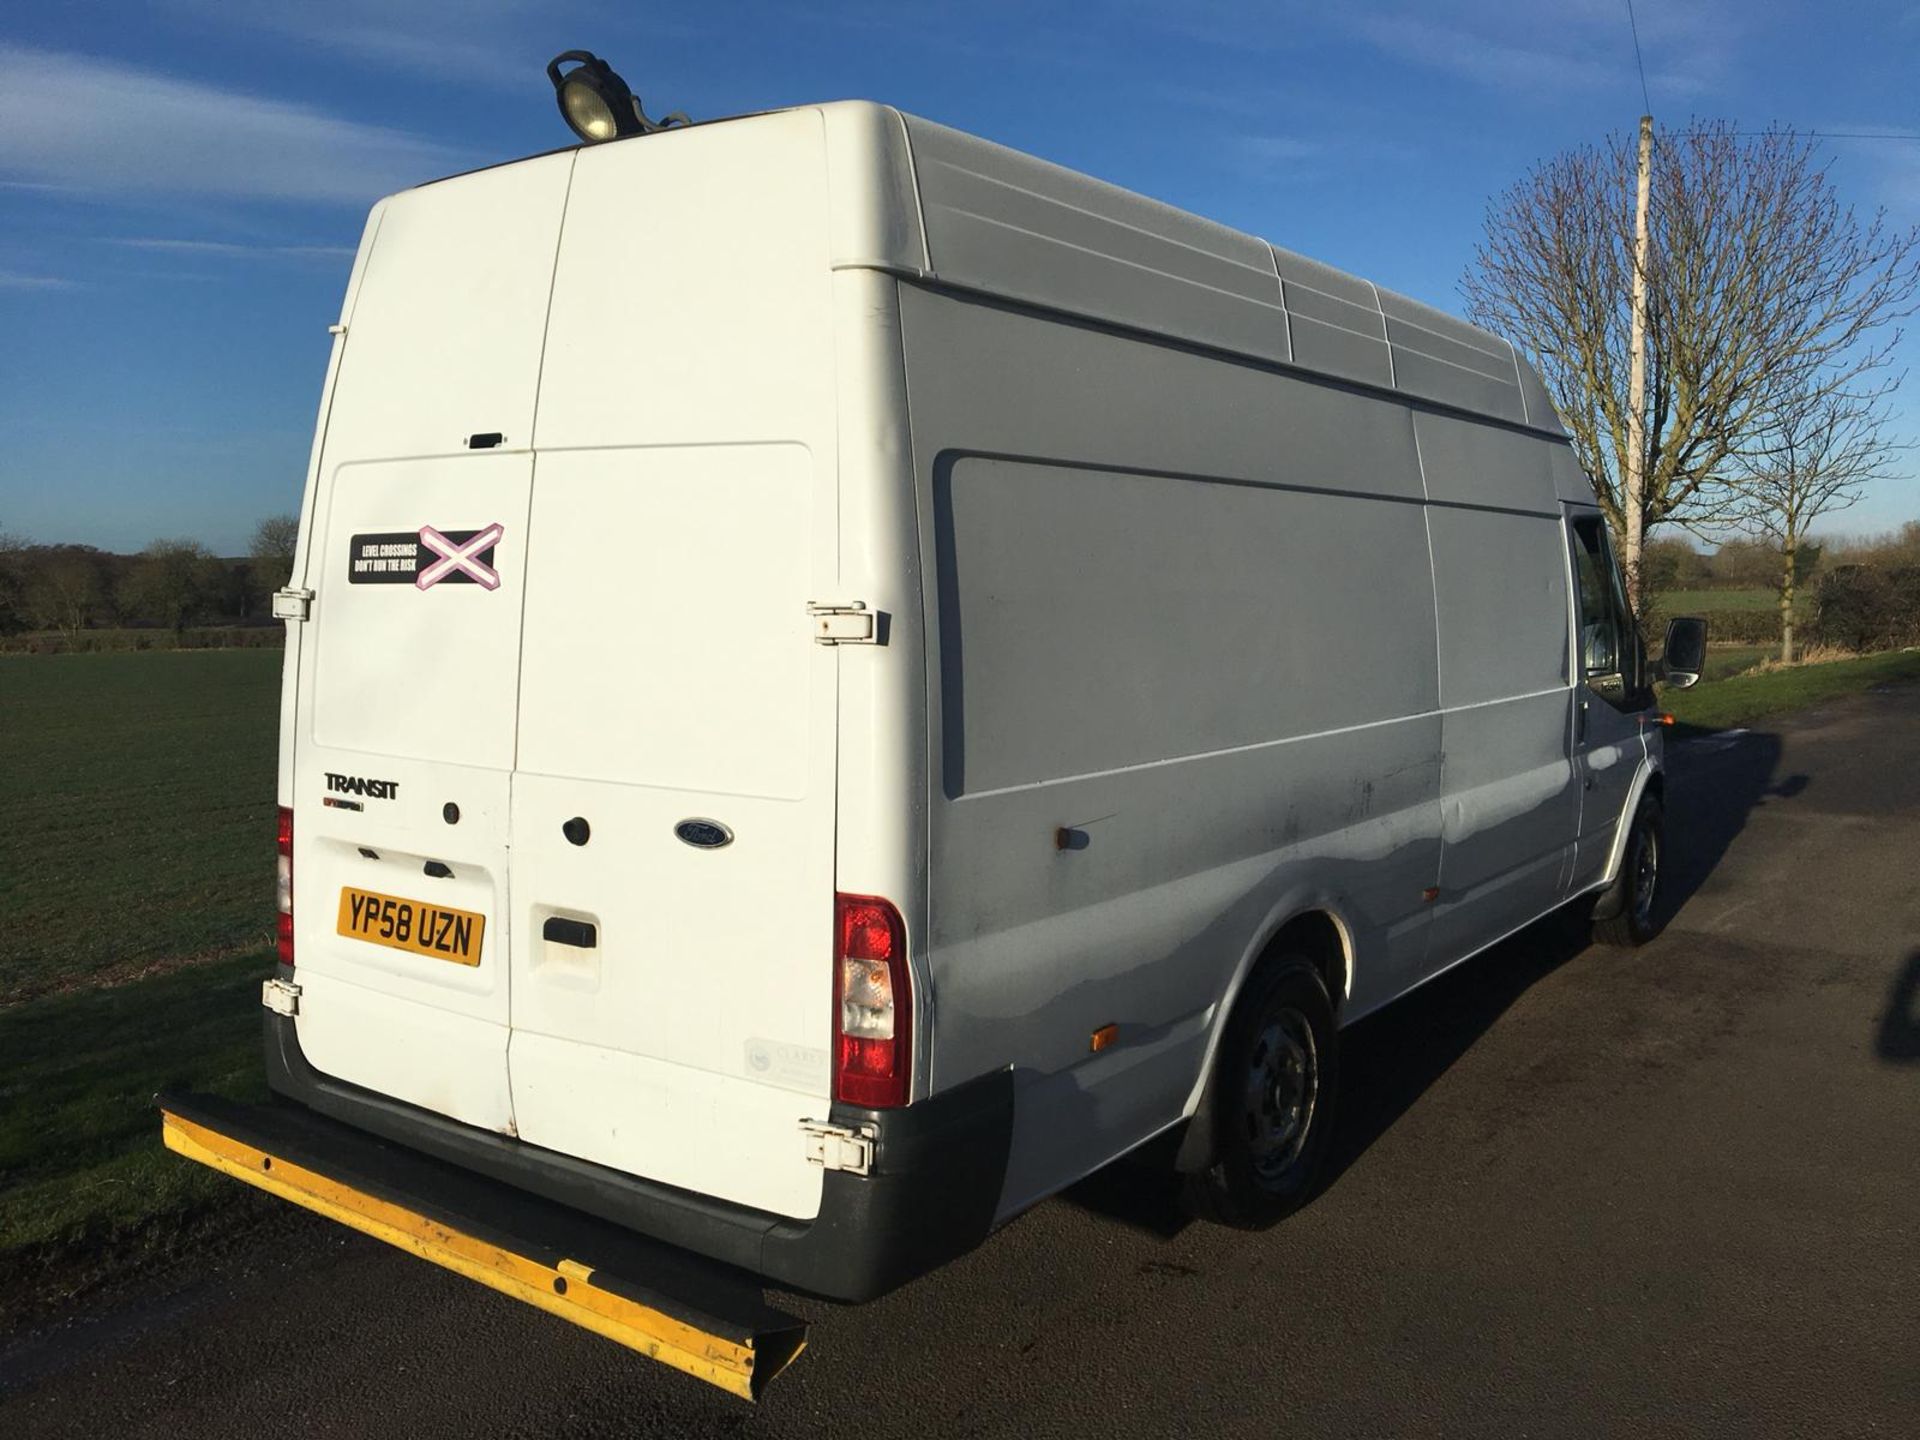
(872,1004)
(283,885)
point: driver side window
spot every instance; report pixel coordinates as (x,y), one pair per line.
(1606,632)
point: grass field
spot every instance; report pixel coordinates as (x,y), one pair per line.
(193,637)
(1690,602)
(135,927)
(138,791)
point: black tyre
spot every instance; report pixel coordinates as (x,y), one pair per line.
(1271,1102)
(1628,911)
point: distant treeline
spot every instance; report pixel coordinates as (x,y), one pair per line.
(1675,563)
(74,592)
(1854,593)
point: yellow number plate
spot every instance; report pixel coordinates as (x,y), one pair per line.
(412,925)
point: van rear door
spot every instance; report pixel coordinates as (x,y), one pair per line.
(673,805)
(405,721)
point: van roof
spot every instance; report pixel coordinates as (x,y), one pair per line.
(925,201)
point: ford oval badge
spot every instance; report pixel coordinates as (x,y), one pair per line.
(705,834)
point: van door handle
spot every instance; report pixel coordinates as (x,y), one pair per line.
(569,932)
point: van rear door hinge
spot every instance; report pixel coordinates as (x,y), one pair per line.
(292,604)
(837,1147)
(282,997)
(842,622)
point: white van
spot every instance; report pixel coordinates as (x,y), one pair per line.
(841,677)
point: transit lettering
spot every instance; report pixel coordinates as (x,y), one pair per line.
(360,785)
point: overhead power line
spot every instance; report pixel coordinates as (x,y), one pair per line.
(1836,134)
(1641,64)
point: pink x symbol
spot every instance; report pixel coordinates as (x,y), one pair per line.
(463,556)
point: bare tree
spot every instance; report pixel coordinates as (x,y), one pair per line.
(175,581)
(272,551)
(13,587)
(1823,449)
(1760,281)
(64,588)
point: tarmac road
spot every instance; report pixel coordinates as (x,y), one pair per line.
(1668,1192)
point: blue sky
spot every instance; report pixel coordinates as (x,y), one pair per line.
(182,181)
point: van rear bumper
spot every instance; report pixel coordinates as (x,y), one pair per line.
(938,1168)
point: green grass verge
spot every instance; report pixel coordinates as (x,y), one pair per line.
(85,1185)
(1720,704)
(1726,660)
(138,796)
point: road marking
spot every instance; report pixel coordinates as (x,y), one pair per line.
(1713,744)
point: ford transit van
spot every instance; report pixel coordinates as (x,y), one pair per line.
(841,677)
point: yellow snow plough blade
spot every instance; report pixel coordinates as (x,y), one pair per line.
(739,1354)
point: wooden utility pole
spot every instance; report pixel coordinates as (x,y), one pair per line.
(1634,470)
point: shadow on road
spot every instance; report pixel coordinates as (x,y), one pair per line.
(1391,1058)
(1899,1040)
(1709,797)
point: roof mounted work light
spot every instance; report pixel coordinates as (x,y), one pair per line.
(596,103)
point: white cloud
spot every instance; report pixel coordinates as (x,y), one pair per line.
(235,248)
(1297,157)
(91,124)
(1500,64)
(1552,46)
(468,44)
(1280,149)
(464,38)
(15,280)
(1879,163)
(1890,157)
(437,54)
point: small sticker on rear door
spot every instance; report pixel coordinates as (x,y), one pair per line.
(790,1066)
(423,558)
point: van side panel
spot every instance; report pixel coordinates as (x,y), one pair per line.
(1001,221)
(1100,620)
(1510,804)
(1184,612)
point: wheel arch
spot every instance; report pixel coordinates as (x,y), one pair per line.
(1315,927)
(1650,781)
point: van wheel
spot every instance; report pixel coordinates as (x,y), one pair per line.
(1272,1098)
(1626,912)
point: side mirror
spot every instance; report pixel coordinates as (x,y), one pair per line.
(1686,652)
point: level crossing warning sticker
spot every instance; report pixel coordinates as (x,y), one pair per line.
(423,558)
